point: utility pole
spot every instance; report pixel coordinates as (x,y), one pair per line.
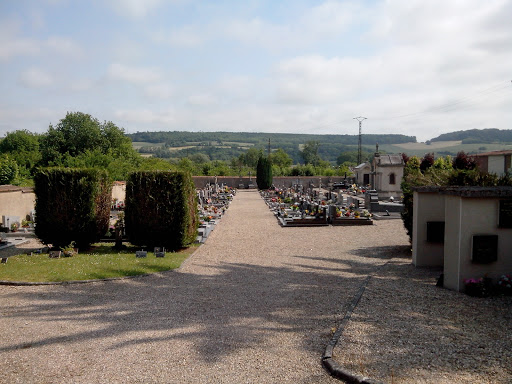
(269,147)
(359,147)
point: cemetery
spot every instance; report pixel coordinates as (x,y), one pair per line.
(299,207)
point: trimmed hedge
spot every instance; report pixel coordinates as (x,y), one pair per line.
(161,209)
(72,205)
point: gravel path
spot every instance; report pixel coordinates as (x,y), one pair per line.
(256,304)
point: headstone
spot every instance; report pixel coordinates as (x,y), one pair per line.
(4,260)
(140,254)
(159,251)
(54,254)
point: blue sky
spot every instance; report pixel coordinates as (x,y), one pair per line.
(413,67)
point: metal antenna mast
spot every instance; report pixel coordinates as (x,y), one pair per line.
(359,147)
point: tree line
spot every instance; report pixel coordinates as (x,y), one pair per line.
(82,141)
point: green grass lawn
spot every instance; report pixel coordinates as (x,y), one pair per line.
(100,262)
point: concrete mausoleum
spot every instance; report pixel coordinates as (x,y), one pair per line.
(465,230)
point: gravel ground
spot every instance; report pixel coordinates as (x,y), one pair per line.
(256,304)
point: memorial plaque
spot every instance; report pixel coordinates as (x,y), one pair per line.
(435,232)
(505,215)
(485,249)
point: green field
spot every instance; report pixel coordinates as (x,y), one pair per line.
(101,262)
(441,148)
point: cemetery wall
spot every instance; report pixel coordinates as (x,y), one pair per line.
(16,201)
(119,190)
(429,208)
(280,181)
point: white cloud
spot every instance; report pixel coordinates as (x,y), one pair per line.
(159,91)
(35,78)
(137,8)
(202,99)
(189,36)
(134,75)
(64,46)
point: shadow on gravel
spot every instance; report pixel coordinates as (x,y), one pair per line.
(220,314)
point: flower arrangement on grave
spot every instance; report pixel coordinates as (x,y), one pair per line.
(323,202)
(366,213)
(14,227)
(476,287)
(347,213)
(505,284)
(357,214)
(25,223)
(295,207)
(338,212)
(69,250)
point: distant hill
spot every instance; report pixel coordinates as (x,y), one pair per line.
(226,145)
(481,136)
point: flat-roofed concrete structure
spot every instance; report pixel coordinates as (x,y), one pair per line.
(465,230)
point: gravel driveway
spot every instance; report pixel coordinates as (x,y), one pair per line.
(256,304)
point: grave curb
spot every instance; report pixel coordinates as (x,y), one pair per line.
(332,367)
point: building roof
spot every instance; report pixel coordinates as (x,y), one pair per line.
(383,160)
(464,191)
(493,153)
(362,165)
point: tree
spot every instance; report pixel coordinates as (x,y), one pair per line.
(79,133)
(280,158)
(309,153)
(264,173)
(23,147)
(427,162)
(8,170)
(463,161)
(250,158)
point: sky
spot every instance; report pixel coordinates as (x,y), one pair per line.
(419,68)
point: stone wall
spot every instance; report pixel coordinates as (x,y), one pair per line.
(16,201)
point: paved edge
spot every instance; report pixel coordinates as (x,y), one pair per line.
(334,369)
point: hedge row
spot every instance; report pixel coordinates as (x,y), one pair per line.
(161,209)
(72,205)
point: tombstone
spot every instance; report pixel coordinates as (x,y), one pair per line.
(4,260)
(54,254)
(159,252)
(140,254)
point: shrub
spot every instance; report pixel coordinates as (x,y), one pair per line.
(71,205)
(161,209)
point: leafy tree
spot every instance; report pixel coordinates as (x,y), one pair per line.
(463,161)
(280,158)
(309,153)
(23,147)
(251,157)
(8,170)
(427,162)
(79,133)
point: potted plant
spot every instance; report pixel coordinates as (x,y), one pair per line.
(505,285)
(475,287)
(14,227)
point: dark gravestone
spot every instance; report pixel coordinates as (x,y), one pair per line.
(435,232)
(4,260)
(55,254)
(505,215)
(485,249)
(159,252)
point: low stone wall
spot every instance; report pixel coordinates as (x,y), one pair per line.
(280,181)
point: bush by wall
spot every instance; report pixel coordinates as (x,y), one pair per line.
(161,209)
(71,205)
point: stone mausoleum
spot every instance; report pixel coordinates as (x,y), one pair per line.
(465,230)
